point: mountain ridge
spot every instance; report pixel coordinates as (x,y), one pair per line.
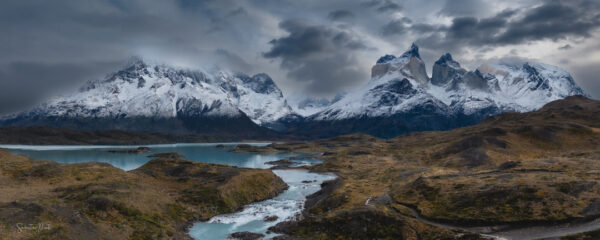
(401,94)
(152,97)
(400,97)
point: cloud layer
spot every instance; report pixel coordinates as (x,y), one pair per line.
(312,47)
(321,56)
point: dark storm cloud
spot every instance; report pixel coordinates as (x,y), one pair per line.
(421,28)
(371,3)
(478,31)
(238,11)
(340,15)
(389,6)
(461,8)
(588,72)
(322,57)
(24,83)
(333,48)
(475,31)
(383,5)
(395,27)
(234,61)
(552,20)
(47,45)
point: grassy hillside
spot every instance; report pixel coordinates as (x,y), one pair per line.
(532,168)
(97,201)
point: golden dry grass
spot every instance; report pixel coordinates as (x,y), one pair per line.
(513,168)
(99,201)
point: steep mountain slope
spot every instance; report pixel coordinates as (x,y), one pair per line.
(258,97)
(395,87)
(401,98)
(151,97)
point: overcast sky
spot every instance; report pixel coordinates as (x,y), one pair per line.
(315,47)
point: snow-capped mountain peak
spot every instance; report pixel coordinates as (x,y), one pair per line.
(446,60)
(409,64)
(142,89)
(400,89)
(260,98)
(413,51)
(446,70)
(399,98)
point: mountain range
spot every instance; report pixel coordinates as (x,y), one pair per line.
(399,98)
(151,97)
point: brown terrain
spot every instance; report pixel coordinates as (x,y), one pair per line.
(512,170)
(47,200)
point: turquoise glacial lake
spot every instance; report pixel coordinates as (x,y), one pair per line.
(286,206)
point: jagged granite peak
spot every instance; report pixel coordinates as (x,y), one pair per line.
(446,70)
(385,59)
(397,98)
(133,63)
(447,60)
(410,63)
(260,83)
(475,80)
(157,91)
(384,97)
(447,57)
(413,51)
(534,77)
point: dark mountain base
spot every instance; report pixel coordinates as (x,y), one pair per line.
(242,125)
(40,135)
(128,131)
(383,127)
(134,130)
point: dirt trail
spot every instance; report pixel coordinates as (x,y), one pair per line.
(504,232)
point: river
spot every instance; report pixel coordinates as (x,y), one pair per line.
(283,207)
